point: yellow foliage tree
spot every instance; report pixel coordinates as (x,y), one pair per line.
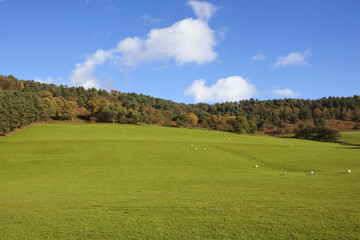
(193,119)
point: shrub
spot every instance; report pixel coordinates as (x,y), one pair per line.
(322,134)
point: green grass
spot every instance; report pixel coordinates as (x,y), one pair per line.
(105,181)
(350,137)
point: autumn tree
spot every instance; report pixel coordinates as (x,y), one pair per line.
(212,121)
(70,110)
(154,115)
(192,119)
(48,104)
(93,104)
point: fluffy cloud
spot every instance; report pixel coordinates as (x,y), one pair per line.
(258,57)
(232,88)
(186,41)
(83,75)
(294,58)
(203,10)
(285,93)
(189,40)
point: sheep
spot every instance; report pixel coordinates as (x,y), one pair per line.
(284,173)
(256,166)
(312,172)
(204,149)
(217,141)
(348,171)
(195,149)
(191,145)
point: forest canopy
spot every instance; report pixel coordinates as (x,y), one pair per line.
(23,102)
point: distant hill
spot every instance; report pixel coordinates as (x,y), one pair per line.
(23,102)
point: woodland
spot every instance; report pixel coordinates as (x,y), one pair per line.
(23,102)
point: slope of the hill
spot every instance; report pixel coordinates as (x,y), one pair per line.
(110,181)
(350,138)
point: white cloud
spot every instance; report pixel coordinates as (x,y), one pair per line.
(186,41)
(132,52)
(258,57)
(83,74)
(189,40)
(232,88)
(285,93)
(294,59)
(203,10)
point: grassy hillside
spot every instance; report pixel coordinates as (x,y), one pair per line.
(350,137)
(107,181)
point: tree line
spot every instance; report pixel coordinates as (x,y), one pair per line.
(24,101)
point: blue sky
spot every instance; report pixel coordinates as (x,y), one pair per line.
(186,51)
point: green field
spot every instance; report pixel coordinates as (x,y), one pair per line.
(350,137)
(111,181)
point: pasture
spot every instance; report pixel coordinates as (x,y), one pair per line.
(112,181)
(350,137)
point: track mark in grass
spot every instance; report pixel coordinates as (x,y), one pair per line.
(97,206)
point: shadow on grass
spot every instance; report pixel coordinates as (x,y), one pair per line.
(349,145)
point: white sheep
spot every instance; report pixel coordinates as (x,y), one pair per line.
(191,145)
(204,149)
(195,149)
(217,141)
(348,171)
(312,172)
(284,173)
(256,166)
